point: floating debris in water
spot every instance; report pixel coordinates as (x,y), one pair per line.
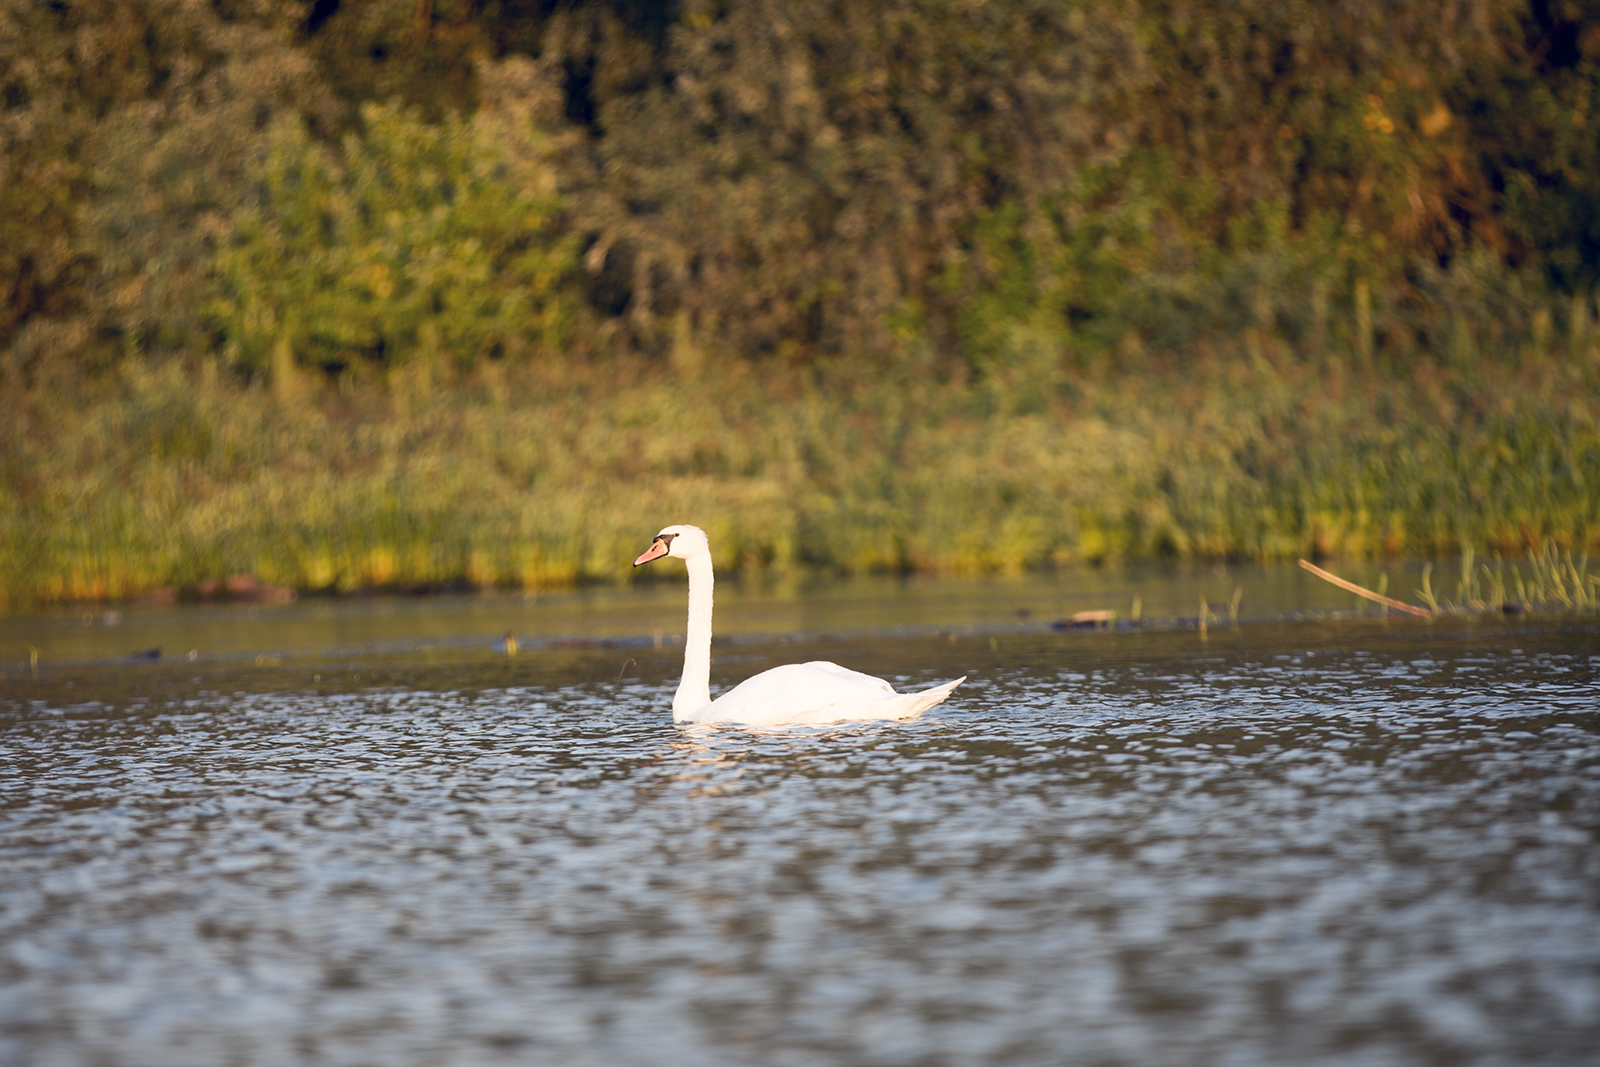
(1086,620)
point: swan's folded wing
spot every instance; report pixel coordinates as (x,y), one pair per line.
(816,692)
(887,706)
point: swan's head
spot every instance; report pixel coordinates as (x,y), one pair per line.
(684,542)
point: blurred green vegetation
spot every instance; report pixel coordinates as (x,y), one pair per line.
(533,477)
(410,293)
(415,242)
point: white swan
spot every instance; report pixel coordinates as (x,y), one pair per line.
(815,692)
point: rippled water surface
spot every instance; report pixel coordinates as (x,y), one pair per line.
(1347,842)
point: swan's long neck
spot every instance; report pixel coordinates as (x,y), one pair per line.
(694,691)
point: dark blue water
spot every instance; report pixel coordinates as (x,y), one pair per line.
(1340,843)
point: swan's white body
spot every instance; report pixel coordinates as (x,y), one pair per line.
(815,692)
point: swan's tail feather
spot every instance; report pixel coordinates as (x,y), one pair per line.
(921,702)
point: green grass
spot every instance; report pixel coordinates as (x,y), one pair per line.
(1548,577)
(167,476)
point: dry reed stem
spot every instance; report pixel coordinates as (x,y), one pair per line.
(1398,605)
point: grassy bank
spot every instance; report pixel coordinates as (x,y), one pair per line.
(166,477)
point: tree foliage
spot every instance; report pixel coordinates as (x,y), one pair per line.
(415,239)
(890,184)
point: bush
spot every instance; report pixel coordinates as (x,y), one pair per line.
(414,240)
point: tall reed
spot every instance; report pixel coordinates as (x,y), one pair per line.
(545,475)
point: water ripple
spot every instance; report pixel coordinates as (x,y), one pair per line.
(1169,855)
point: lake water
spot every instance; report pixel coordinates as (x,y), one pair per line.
(357,833)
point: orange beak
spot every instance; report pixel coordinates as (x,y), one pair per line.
(657,549)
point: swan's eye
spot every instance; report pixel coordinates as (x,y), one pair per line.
(666,539)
